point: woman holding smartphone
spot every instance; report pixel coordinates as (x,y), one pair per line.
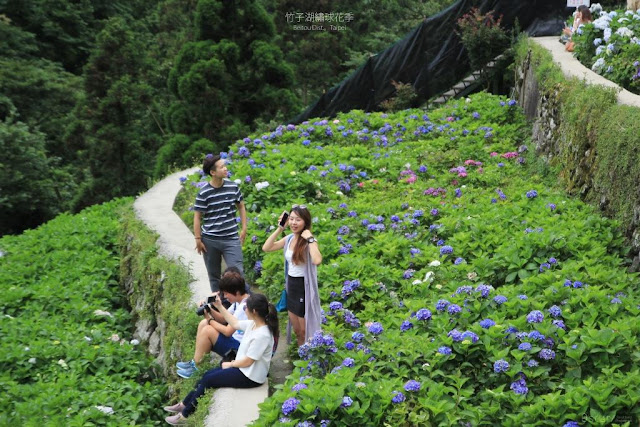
(302,255)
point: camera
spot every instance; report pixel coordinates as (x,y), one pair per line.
(206,306)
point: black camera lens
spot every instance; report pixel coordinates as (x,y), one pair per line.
(200,310)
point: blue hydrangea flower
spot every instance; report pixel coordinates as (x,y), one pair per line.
(454,309)
(444,350)
(434,212)
(444,250)
(468,335)
(343,230)
(408,274)
(500,299)
(357,336)
(376,328)
(544,266)
(500,366)
(616,301)
(422,169)
(412,385)
(572,423)
(519,386)
(335,305)
(398,397)
(299,386)
(559,324)
(535,336)
(346,402)
(423,314)
(484,290)
(532,363)
(525,346)
(348,362)
(349,345)
(455,335)
(290,405)
(487,323)
(442,304)
(458,261)
(523,297)
(532,194)
(406,325)
(547,354)
(577,284)
(555,311)
(414,252)
(535,316)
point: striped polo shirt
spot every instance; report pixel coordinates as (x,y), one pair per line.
(218,207)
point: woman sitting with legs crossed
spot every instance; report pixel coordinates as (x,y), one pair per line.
(252,363)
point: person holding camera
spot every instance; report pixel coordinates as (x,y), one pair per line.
(251,366)
(214,333)
(302,256)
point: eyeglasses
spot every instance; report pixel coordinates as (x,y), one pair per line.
(299,206)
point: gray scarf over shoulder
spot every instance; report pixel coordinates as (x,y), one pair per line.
(312,314)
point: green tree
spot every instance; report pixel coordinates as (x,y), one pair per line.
(114,126)
(27,192)
(231,75)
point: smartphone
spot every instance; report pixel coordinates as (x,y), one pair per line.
(285,217)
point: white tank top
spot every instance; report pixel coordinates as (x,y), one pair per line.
(295,270)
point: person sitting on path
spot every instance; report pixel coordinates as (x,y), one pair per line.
(581,16)
(302,256)
(214,333)
(214,220)
(252,363)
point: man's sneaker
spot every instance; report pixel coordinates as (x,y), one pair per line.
(178,407)
(184,365)
(186,373)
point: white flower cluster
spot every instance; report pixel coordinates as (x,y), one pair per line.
(261,185)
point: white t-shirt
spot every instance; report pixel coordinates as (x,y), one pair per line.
(237,310)
(258,345)
(295,270)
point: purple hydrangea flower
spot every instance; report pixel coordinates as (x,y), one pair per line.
(446,250)
(405,326)
(299,386)
(519,386)
(500,299)
(412,385)
(398,397)
(535,316)
(468,335)
(535,336)
(555,311)
(454,309)
(444,350)
(290,405)
(423,314)
(434,212)
(348,362)
(559,324)
(442,304)
(346,402)
(376,328)
(487,323)
(408,274)
(525,346)
(335,305)
(500,366)
(547,354)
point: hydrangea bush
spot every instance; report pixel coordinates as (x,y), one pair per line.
(467,290)
(610,46)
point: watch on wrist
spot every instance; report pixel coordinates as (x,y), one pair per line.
(311,239)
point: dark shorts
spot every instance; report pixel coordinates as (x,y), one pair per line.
(224,344)
(295,296)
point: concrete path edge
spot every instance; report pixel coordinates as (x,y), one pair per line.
(230,407)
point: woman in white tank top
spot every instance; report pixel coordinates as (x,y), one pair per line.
(302,255)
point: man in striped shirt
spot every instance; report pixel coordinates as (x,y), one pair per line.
(214,220)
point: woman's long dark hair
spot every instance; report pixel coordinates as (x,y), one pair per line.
(267,311)
(300,250)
